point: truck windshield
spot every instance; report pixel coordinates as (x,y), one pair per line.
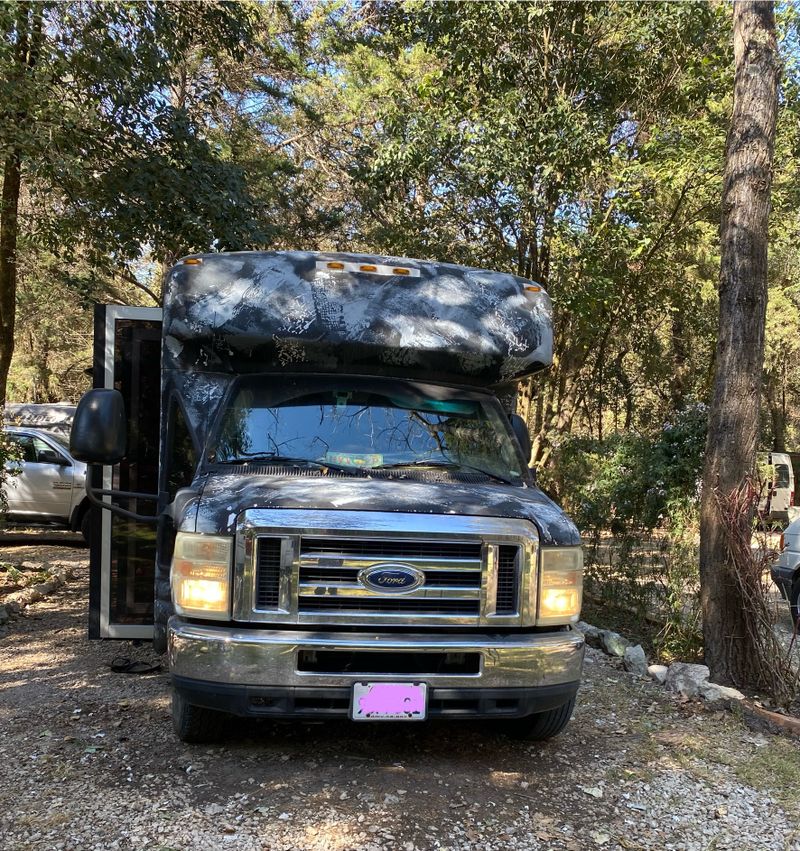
(364,423)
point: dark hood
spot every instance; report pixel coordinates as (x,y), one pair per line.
(223,496)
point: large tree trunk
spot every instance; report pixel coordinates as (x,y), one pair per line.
(733,420)
(26,54)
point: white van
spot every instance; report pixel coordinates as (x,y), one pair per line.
(777,495)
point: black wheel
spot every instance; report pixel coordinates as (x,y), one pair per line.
(541,725)
(87,524)
(196,724)
(794,601)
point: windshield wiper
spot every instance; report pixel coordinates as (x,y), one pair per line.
(289,460)
(440,462)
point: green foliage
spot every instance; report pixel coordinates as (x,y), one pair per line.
(629,483)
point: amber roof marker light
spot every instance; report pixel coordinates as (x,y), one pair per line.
(193,261)
(367,268)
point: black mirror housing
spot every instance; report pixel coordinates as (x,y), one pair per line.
(99,432)
(520,429)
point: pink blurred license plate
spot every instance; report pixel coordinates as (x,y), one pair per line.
(389,701)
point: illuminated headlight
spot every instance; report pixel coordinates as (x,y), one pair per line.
(560,585)
(201,575)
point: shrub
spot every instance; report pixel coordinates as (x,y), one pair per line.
(627,483)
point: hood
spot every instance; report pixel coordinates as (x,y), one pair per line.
(224,496)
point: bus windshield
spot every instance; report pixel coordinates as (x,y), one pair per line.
(365,423)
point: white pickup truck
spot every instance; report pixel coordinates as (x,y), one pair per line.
(47,484)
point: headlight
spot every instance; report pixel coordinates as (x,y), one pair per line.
(201,575)
(560,585)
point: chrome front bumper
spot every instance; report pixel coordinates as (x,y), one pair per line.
(270,658)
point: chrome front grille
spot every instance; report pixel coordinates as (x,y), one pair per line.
(329,577)
(321,573)
(391,549)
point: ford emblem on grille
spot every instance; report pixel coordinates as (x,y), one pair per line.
(391,578)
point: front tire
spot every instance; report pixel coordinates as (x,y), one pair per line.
(87,524)
(540,726)
(196,724)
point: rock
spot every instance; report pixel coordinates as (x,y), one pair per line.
(658,673)
(686,679)
(712,692)
(594,791)
(4,615)
(591,634)
(12,607)
(613,643)
(634,661)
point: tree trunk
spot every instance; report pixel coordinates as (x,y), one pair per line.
(12,181)
(733,418)
(26,54)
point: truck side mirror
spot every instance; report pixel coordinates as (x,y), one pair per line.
(50,456)
(99,430)
(520,429)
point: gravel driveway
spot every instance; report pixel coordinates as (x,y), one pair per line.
(89,761)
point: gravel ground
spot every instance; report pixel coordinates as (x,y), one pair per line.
(89,761)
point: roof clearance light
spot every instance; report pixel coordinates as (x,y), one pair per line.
(533,289)
(193,261)
(359,268)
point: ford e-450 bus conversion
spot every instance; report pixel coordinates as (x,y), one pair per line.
(341,521)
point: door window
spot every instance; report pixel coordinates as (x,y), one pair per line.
(782,476)
(32,449)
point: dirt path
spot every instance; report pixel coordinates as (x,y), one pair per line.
(89,761)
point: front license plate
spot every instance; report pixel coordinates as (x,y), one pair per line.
(389,701)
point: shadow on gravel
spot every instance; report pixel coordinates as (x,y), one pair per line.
(381,758)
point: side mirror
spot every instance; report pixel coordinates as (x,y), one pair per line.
(99,430)
(50,456)
(520,429)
